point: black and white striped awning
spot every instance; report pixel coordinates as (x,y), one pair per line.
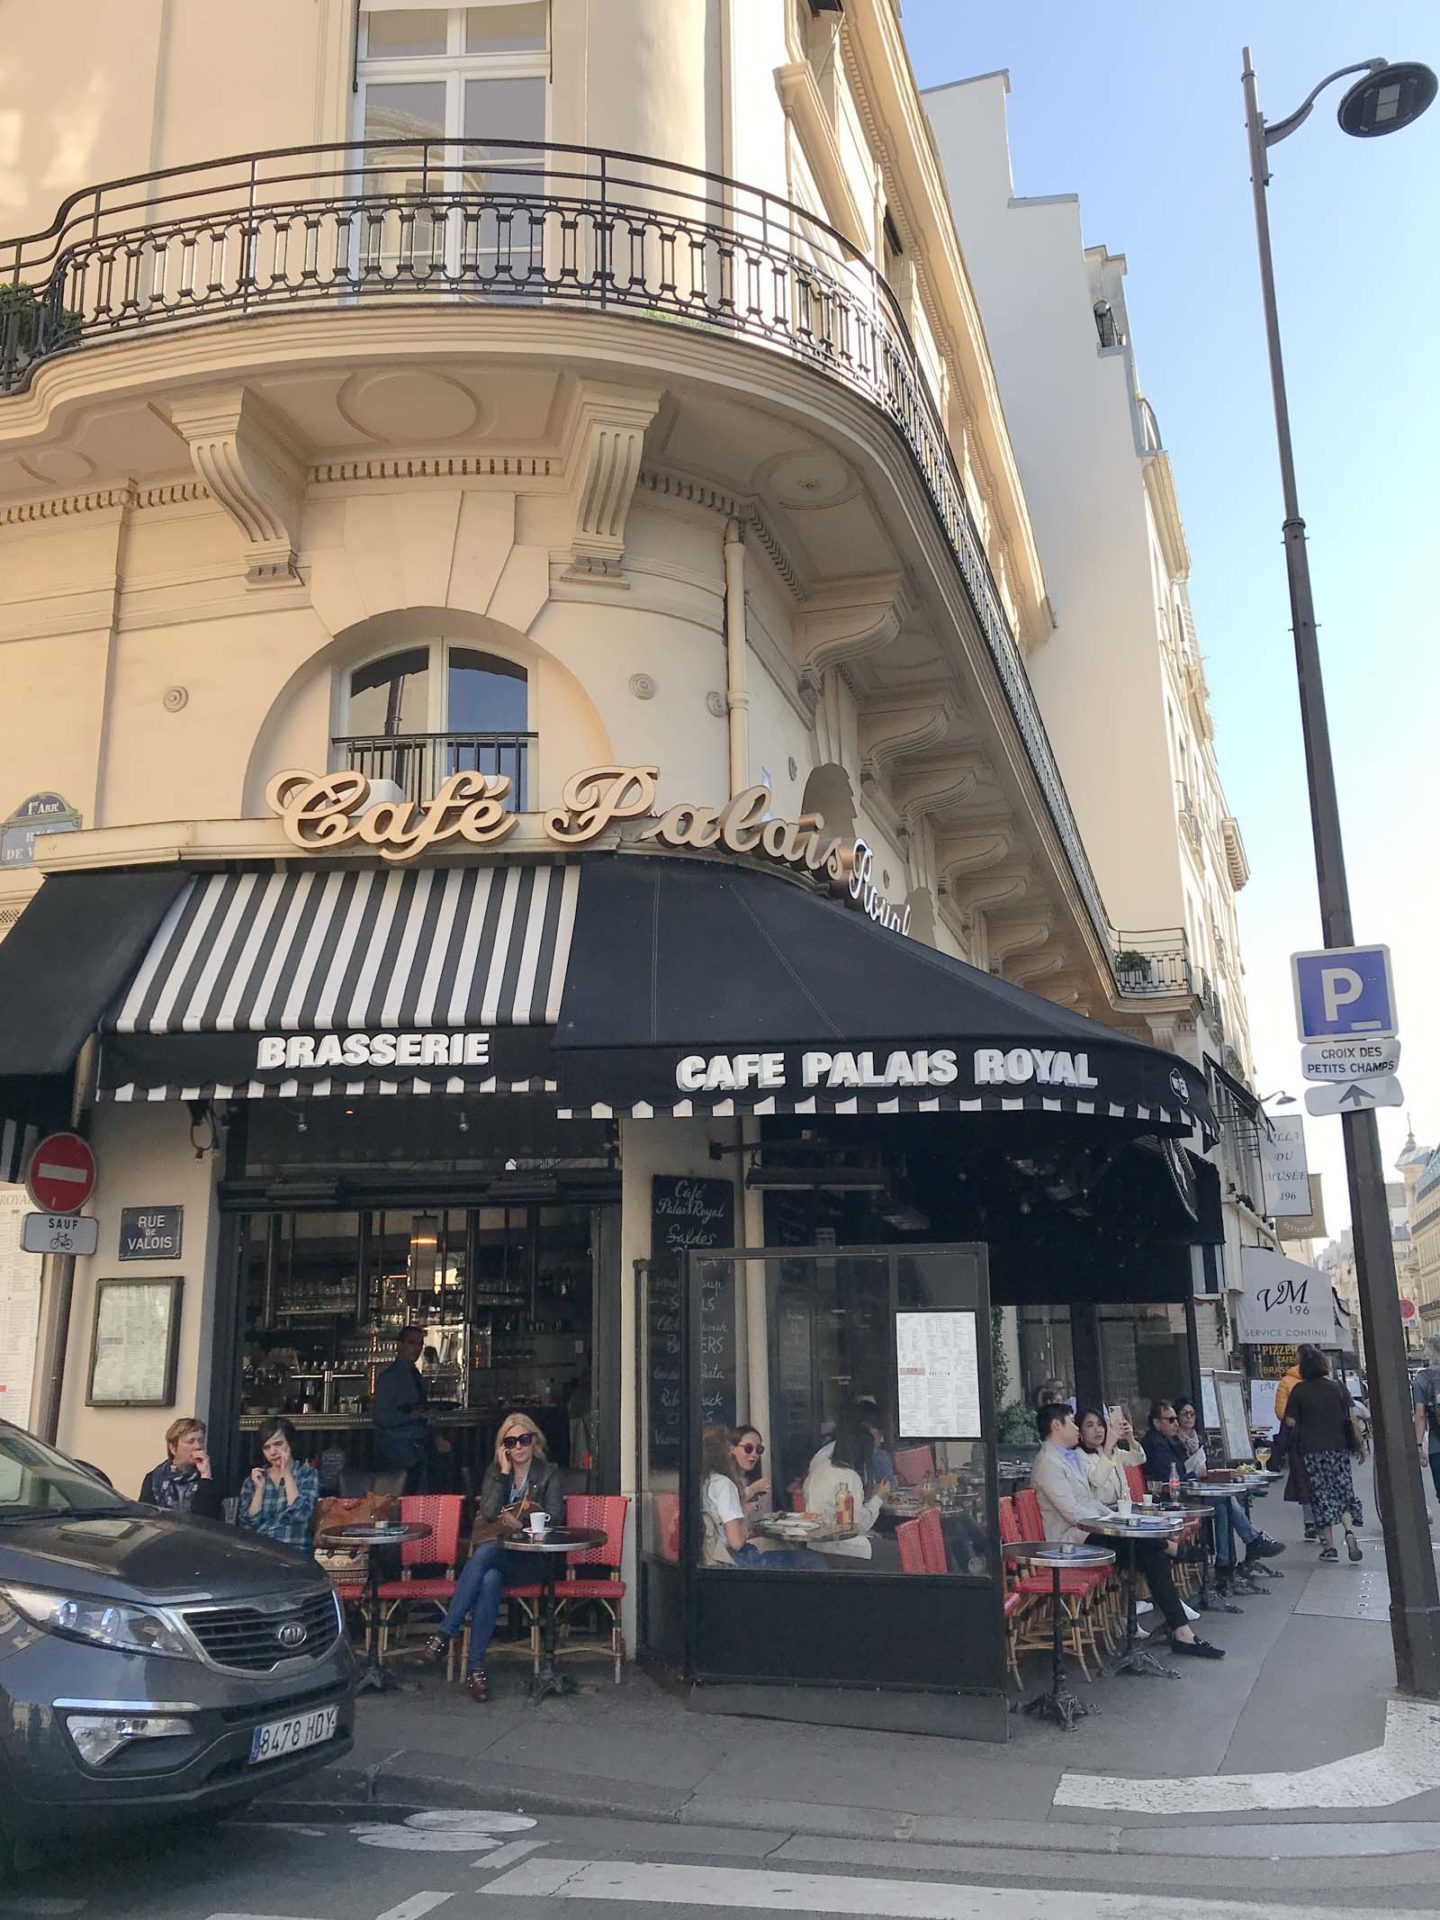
(430,980)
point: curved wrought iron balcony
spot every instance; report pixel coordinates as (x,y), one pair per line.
(415,223)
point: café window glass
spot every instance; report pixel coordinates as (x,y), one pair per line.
(418,715)
(841,1412)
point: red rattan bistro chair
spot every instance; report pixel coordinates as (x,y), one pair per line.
(436,1556)
(593,1576)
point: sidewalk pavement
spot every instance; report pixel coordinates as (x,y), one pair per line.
(1307,1681)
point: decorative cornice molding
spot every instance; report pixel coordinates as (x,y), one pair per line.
(434,466)
(668,484)
(241,453)
(984,844)
(70,506)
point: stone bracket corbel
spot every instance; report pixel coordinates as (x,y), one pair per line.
(604,444)
(847,620)
(976,850)
(1007,939)
(240,451)
(891,733)
(996,887)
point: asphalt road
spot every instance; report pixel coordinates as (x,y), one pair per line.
(475,1866)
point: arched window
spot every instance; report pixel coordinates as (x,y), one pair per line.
(416,716)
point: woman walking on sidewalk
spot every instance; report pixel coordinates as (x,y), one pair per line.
(1317,1416)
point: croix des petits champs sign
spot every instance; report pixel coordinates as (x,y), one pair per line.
(324,812)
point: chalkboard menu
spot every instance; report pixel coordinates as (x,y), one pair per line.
(686,1216)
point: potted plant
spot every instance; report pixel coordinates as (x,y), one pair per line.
(1132,969)
(29,325)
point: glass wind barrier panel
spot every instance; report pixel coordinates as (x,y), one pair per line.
(844,1413)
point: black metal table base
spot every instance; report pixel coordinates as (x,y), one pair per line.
(549,1681)
(1060,1706)
(1137,1660)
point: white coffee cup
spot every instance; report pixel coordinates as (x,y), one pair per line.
(539,1525)
(1125,1506)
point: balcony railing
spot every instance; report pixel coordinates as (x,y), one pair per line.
(406,224)
(1153,964)
(419,763)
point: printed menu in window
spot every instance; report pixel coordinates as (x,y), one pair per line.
(938,1364)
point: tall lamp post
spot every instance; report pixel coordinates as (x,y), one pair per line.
(1387,98)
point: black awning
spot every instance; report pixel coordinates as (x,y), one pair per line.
(698,987)
(260,984)
(69,953)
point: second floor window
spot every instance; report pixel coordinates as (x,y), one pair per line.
(475,73)
(416,716)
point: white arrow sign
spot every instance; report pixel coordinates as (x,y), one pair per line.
(1354,1096)
(1347,1060)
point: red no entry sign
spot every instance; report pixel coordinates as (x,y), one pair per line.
(61,1178)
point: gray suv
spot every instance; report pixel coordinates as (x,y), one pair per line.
(151,1665)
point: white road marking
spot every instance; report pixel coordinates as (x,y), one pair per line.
(402,1839)
(507,1856)
(470,1820)
(1406,1764)
(417,1905)
(742,1888)
(444,1830)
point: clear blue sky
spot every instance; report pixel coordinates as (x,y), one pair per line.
(1136,106)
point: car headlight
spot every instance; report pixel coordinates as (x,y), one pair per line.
(105,1623)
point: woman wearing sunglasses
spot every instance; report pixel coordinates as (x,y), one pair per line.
(519,1481)
(747,1450)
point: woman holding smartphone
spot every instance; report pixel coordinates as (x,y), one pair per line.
(279,1497)
(519,1482)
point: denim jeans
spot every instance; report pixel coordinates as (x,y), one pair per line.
(478,1593)
(777,1559)
(1231,1521)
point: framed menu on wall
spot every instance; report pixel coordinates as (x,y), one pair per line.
(134,1342)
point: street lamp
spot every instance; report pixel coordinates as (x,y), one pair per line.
(1280,1099)
(1384,100)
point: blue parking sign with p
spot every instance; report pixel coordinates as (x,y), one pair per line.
(1343,993)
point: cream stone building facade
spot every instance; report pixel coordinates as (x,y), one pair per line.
(389,417)
(1122,659)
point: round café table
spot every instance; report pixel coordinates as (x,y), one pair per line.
(550,1549)
(373,1677)
(1059,1704)
(1133,1659)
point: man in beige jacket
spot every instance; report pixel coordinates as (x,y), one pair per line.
(1068,1508)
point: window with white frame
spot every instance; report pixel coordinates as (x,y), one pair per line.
(420,713)
(471,83)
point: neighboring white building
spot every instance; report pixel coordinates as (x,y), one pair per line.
(1122,663)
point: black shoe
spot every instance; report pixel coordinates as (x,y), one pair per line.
(1262,1547)
(1312,1533)
(1197,1649)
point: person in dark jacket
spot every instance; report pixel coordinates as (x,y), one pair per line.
(183,1482)
(519,1481)
(404,1442)
(1165,1450)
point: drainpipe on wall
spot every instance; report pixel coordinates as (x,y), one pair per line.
(737,700)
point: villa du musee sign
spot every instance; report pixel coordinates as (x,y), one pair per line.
(324,812)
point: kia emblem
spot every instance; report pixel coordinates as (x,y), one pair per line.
(292,1635)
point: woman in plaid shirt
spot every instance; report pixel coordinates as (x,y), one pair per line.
(279,1498)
